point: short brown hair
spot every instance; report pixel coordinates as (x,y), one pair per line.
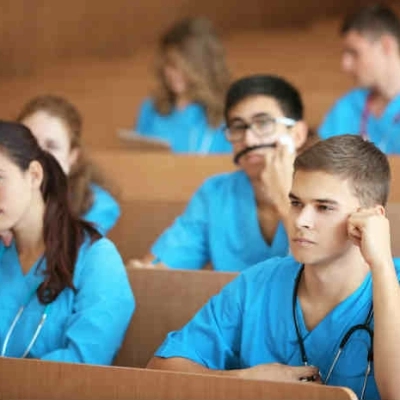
(353,158)
(373,20)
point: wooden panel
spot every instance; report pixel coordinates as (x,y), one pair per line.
(142,221)
(166,300)
(39,32)
(159,176)
(393,213)
(37,380)
(394,196)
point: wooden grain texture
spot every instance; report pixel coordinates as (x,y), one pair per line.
(38,380)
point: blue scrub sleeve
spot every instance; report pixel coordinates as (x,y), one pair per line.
(102,309)
(104,212)
(331,123)
(212,337)
(145,117)
(185,244)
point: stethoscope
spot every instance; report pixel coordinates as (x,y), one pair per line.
(15,321)
(365,327)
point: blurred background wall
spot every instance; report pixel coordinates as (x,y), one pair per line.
(35,33)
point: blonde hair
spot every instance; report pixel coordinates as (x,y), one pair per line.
(204,64)
(83,172)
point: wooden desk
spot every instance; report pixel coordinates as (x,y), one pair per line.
(38,380)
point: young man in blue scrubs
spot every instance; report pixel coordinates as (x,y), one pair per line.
(235,220)
(371,56)
(285,318)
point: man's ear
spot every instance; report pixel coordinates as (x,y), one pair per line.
(299,134)
(380,209)
(35,172)
(389,44)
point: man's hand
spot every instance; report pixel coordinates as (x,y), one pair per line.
(281,372)
(277,176)
(369,230)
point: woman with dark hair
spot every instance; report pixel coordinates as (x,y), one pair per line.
(64,293)
(57,125)
(186,109)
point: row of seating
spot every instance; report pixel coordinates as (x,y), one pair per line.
(154,188)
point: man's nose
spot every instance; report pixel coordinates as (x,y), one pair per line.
(305,218)
(250,137)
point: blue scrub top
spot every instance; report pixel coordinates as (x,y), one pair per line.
(186,130)
(220,225)
(250,322)
(104,212)
(346,117)
(87,326)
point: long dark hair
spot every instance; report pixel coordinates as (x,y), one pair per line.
(63,232)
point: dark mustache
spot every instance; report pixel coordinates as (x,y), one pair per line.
(241,153)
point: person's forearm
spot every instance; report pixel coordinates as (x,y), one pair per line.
(185,365)
(386,297)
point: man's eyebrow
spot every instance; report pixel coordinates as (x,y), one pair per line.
(326,201)
(320,201)
(258,115)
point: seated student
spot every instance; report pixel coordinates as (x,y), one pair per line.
(64,292)
(57,125)
(285,318)
(235,220)
(186,110)
(371,56)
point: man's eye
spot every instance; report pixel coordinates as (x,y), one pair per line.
(238,128)
(324,208)
(263,123)
(295,203)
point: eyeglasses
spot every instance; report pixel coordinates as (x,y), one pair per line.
(262,127)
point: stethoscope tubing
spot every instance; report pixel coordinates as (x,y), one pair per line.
(365,326)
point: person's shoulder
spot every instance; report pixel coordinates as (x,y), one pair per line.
(396,262)
(100,193)
(221,181)
(101,247)
(355,96)
(271,269)
(147,104)
(100,255)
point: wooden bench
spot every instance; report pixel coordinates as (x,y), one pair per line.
(165,301)
(155,188)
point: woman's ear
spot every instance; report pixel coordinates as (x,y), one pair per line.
(73,157)
(299,133)
(35,172)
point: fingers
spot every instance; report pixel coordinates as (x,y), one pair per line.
(134,263)
(308,373)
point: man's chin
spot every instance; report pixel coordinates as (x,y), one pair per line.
(253,171)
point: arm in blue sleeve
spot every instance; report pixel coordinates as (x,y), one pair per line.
(146,112)
(185,244)
(104,212)
(103,307)
(212,337)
